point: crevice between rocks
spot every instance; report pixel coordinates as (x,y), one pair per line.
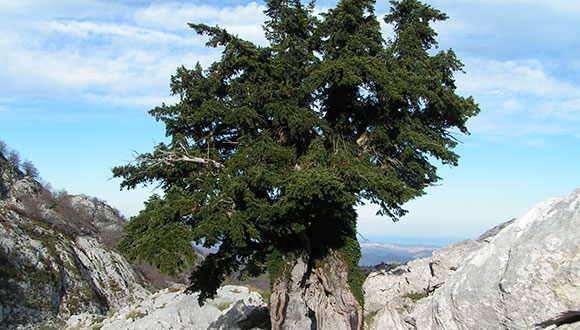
(568,317)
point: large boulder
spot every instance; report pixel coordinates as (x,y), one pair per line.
(523,274)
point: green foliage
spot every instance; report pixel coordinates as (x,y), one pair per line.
(223,306)
(370,317)
(135,315)
(273,147)
(352,254)
(157,236)
(416,296)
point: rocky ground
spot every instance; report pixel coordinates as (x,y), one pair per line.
(234,307)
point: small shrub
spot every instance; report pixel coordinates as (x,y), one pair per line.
(416,296)
(14,158)
(3,148)
(369,318)
(223,306)
(29,169)
(174,289)
(135,315)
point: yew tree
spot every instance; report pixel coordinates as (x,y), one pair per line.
(271,148)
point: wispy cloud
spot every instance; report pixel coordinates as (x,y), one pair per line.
(126,59)
(520,60)
(244,20)
(521,99)
(135,35)
(528,77)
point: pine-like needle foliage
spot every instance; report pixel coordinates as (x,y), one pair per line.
(273,147)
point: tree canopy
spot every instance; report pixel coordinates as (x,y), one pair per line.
(271,148)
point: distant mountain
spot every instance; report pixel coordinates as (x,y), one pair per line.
(377,253)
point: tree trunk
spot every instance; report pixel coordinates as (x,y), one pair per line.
(315,295)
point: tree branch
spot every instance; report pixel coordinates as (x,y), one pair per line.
(167,157)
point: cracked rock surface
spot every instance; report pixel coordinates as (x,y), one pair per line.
(523,274)
(56,255)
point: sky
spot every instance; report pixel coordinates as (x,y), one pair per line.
(77,78)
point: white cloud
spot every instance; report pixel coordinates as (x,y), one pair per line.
(520,99)
(140,101)
(125,55)
(86,30)
(562,6)
(243,20)
(125,59)
(567,7)
(132,75)
(12,11)
(522,77)
(176,15)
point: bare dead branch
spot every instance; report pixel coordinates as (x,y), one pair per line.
(167,157)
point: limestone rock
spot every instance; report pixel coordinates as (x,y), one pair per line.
(171,308)
(53,260)
(524,274)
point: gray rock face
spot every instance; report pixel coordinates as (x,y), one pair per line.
(54,262)
(524,274)
(59,268)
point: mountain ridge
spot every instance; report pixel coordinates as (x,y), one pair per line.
(375,253)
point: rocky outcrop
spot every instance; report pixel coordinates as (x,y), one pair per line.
(234,307)
(524,274)
(56,255)
(59,268)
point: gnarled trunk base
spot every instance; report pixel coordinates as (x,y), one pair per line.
(316,297)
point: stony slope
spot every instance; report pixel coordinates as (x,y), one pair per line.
(524,274)
(59,268)
(56,255)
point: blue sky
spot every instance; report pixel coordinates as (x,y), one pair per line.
(78,76)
